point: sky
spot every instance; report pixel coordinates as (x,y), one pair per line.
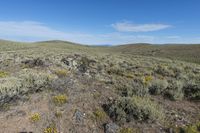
(101,22)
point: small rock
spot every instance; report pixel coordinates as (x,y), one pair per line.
(79,116)
(111,128)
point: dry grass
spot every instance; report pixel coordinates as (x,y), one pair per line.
(60,99)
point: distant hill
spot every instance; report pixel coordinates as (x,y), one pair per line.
(184,52)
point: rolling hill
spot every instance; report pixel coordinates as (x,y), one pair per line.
(59,86)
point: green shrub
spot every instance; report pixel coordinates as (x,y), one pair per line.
(116,71)
(140,89)
(51,129)
(35,117)
(177,70)
(130,88)
(164,70)
(147,80)
(175,90)
(58,114)
(99,114)
(61,73)
(158,86)
(138,108)
(192,90)
(193,128)
(3,74)
(126,130)
(27,81)
(60,100)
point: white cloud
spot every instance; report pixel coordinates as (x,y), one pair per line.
(36,31)
(131,27)
(119,38)
(29,29)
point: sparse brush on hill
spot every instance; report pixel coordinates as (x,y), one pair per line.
(75,88)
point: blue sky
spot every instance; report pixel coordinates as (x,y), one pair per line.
(101,21)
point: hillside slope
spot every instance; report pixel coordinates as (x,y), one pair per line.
(190,53)
(63,87)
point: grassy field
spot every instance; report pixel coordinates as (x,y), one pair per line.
(58,86)
(185,52)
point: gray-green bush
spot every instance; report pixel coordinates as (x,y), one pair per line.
(192,90)
(158,86)
(135,108)
(175,90)
(132,87)
(28,80)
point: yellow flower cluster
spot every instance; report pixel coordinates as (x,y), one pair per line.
(60,99)
(35,117)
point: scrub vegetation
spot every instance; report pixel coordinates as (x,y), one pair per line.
(120,89)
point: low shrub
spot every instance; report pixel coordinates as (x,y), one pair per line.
(35,117)
(164,70)
(60,99)
(138,108)
(126,130)
(140,89)
(130,88)
(116,71)
(3,74)
(9,88)
(158,86)
(34,80)
(27,81)
(193,128)
(147,79)
(174,90)
(58,114)
(96,95)
(51,129)
(177,70)
(61,73)
(192,90)
(99,114)
(33,63)
(61,84)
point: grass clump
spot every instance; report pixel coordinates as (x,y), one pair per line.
(61,73)
(96,95)
(58,114)
(129,88)
(126,130)
(50,129)
(35,117)
(194,128)
(60,99)
(192,90)
(3,74)
(99,115)
(174,91)
(164,70)
(147,79)
(138,108)
(158,86)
